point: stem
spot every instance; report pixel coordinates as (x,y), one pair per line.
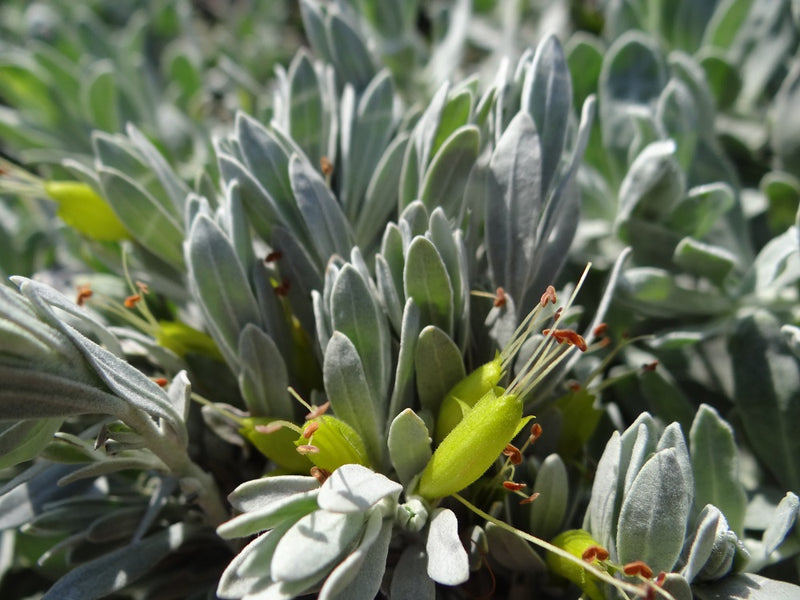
(620,585)
(193,479)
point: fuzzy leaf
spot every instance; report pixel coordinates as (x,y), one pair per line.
(353,488)
(512,551)
(438,365)
(652,519)
(268,513)
(446,177)
(447,560)
(260,493)
(601,514)
(115,570)
(766,379)
(747,586)
(24,440)
(409,445)
(349,393)
(350,55)
(715,467)
(514,205)
(548,512)
(220,286)
(425,280)
(262,375)
(410,580)
(404,379)
(781,523)
(314,544)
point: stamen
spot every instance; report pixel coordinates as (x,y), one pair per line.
(600,330)
(513,454)
(307,449)
(513,486)
(548,296)
(499,298)
(269,427)
(650,367)
(530,498)
(326,166)
(273,256)
(637,567)
(316,411)
(536,433)
(161,381)
(319,474)
(310,429)
(131,300)
(84,293)
(283,288)
(143,287)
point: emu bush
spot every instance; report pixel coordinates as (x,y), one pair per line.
(396,299)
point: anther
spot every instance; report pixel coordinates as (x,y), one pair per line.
(308,449)
(268,428)
(499,297)
(513,486)
(319,474)
(310,429)
(600,330)
(548,296)
(326,166)
(84,293)
(650,367)
(143,287)
(530,498)
(513,454)
(273,256)
(161,381)
(317,411)
(131,300)
(536,432)
(637,567)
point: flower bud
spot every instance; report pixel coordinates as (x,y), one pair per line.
(473,445)
(278,446)
(576,542)
(334,444)
(465,394)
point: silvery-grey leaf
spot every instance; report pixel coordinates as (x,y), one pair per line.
(350,396)
(353,488)
(263,379)
(747,586)
(410,580)
(548,512)
(349,53)
(115,570)
(601,514)
(23,440)
(361,573)
(446,177)
(447,560)
(781,523)
(715,466)
(404,379)
(409,445)
(113,465)
(263,516)
(306,120)
(425,279)
(220,286)
(438,366)
(699,545)
(315,543)
(260,493)
(653,515)
(512,551)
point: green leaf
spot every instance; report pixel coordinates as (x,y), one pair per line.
(766,376)
(355,312)
(438,365)
(350,395)
(404,379)
(454,115)
(715,466)
(99,96)
(701,209)
(511,551)
(786,131)
(119,568)
(263,378)
(548,512)
(514,205)
(547,97)
(425,279)
(409,445)
(308,123)
(654,512)
(220,286)
(446,177)
(579,417)
(349,53)
(24,440)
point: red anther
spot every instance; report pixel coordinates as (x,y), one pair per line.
(326,165)
(320,474)
(273,256)
(662,577)
(649,367)
(283,288)
(143,287)
(530,498)
(600,330)
(310,429)
(499,297)
(84,293)
(548,296)
(513,454)
(513,486)
(131,300)
(317,411)
(536,432)
(161,381)
(589,554)
(308,449)
(651,593)
(268,428)
(573,338)
(573,386)
(606,341)
(602,553)
(637,567)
